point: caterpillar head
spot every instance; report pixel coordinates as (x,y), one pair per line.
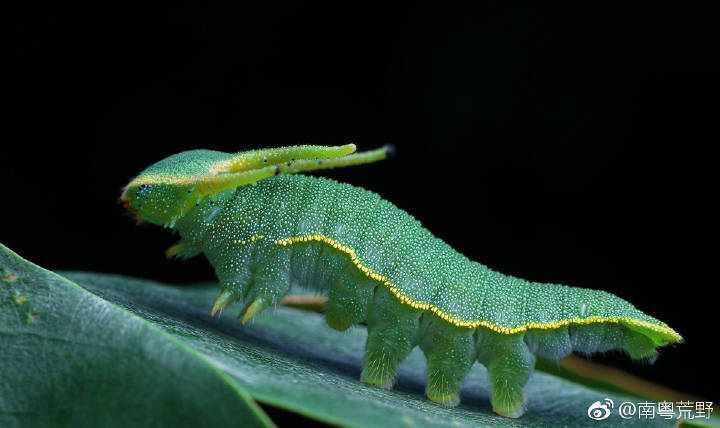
(166,191)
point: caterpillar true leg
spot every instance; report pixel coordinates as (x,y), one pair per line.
(226,297)
(450,352)
(392,334)
(509,363)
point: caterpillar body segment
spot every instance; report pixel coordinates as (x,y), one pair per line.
(378,265)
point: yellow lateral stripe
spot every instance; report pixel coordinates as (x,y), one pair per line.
(168,179)
(463,323)
(208,183)
(247,241)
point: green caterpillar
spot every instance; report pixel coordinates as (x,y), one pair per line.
(263,229)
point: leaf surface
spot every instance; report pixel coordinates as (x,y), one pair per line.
(71,358)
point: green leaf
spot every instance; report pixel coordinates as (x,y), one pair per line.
(70,358)
(293,360)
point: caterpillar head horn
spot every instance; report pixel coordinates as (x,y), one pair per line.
(166,191)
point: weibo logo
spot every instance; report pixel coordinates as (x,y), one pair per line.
(599,411)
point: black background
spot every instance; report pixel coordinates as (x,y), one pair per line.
(559,143)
